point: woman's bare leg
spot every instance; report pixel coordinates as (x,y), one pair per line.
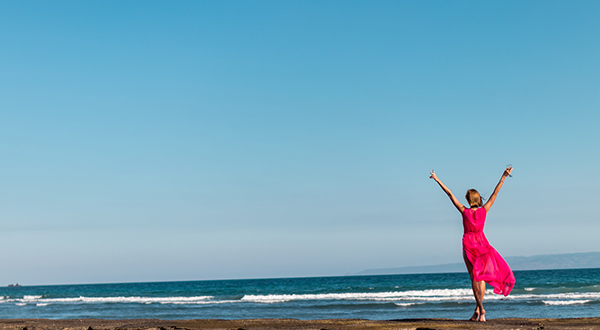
(480,302)
(476,288)
(478,292)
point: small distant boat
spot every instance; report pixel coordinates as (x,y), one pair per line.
(14,285)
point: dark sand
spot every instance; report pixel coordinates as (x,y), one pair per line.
(267,324)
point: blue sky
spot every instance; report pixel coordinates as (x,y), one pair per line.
(189,140)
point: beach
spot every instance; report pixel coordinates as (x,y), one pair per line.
(267,324)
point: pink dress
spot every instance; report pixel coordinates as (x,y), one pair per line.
(488,264)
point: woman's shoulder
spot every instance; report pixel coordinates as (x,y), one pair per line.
(475,209)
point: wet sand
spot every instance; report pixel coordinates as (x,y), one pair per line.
(269,324)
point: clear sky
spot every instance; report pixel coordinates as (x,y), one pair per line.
(190,140)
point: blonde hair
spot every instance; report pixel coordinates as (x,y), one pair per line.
(473,198)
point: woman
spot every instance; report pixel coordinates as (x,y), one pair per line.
(483,262)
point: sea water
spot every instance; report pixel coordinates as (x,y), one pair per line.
(543,293)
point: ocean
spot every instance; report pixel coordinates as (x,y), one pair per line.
(542,293)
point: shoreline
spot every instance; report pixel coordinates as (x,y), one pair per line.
(273,324)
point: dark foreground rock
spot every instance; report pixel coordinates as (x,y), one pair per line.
(269,324)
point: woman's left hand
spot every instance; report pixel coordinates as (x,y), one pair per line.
(432,175)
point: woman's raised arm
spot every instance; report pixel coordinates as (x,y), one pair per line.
(490,201)
(458,205)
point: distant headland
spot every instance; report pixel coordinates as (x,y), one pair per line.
(545,261)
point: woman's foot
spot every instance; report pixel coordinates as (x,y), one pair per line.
(482,316)
(475,316)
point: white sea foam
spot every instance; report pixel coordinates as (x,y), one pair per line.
(414,295)
(42,304)
(407,304)
(572,295)
(401,298)
(565,302)
(141,300)
(208,302)
(440,295)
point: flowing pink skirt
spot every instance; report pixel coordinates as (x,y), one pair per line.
(488,264)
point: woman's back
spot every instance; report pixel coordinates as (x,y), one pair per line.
(473,219)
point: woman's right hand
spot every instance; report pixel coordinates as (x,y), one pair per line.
(507,171)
